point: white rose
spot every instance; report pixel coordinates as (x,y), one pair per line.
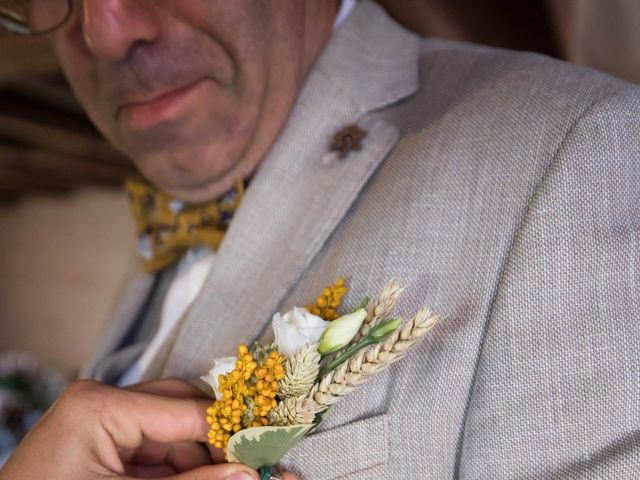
(295,328)
(221,366)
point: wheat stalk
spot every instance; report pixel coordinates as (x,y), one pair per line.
(295,411)
(301,372)
(371,360)
(380,308)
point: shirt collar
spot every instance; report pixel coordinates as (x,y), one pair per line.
(346,6)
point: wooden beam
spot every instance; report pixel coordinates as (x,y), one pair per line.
(15,184)
(59,140)
(63,170)
(50,94)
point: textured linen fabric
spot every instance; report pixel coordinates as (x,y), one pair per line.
(502,189)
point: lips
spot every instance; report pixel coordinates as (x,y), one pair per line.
(162,108)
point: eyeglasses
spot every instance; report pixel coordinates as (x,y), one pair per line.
(31,17)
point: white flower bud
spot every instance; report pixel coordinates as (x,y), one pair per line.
(341,331)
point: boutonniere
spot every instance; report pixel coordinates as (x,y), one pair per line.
(271,396)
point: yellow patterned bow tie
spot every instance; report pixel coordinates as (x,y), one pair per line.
(167,228)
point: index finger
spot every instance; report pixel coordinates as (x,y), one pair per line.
(129,416)
(159,418)
(169,387)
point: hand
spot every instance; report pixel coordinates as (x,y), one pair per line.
(176,388)
(94,432)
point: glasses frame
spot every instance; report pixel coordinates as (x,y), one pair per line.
(14,27)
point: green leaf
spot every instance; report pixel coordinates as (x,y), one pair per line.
(263,446)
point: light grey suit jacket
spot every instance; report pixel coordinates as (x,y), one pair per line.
(503,190)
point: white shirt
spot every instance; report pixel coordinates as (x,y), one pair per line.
(191,273)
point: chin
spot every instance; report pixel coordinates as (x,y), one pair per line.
(194,185)
(199,193)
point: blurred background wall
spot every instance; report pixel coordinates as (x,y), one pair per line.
(66,237)
(65,232)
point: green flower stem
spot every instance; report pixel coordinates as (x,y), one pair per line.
(377,334)
(345,355)
(265,472)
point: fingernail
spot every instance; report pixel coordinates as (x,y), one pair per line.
(241,476)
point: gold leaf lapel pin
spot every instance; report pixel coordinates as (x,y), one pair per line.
(347,140)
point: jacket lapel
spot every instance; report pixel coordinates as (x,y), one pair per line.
(300,192)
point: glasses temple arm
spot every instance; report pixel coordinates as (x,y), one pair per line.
(13,26)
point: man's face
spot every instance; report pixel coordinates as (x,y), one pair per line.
(196,91)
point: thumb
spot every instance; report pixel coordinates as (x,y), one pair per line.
(225,471)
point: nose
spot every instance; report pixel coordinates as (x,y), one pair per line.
(111,28)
